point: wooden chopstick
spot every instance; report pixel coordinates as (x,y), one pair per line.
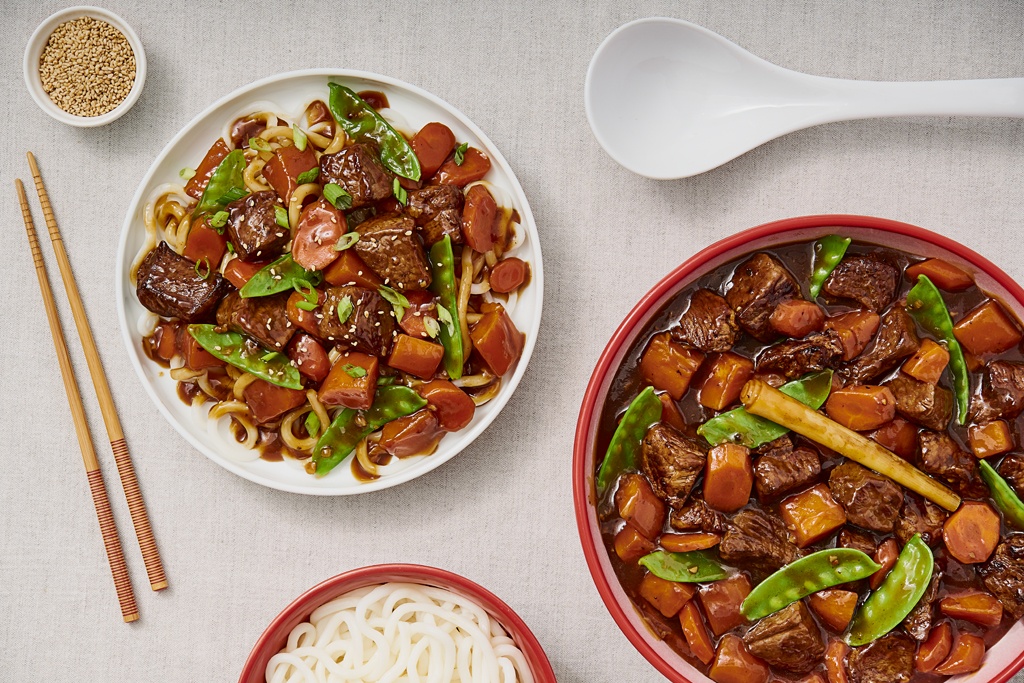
(136,506)
(111,541)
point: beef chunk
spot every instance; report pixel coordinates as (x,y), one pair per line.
(1012,470)
(757,540)
(896,339)
(858,540)
(253,228)
(262,317)
(370,328)
(358,170)
(943,457)
(169,285)
(437,210)
(1003,574)
(388,245)
(697,516)
(871,500)
(778,447)
(920,516)
(919,622)
(788,639)
(867,279)
(708,324)
(929,405)
(1002,392)
(797,357)
(758,285)
(886,660)
(672,462)
(775,475)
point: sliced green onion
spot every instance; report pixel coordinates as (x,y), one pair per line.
(231,248)
(281,216)
(299,137)
(267,357)
(218,220)
(460,153)
(444,316)
(346,241)
(305,305)
(309,176)
(208,270)
(345,308)
(338,196)
(232,194)
(259,144)
(354,370)
(431,326)
(385,381)
(187,173)
(312,424)
(307,290)
(400,194)
(397,300)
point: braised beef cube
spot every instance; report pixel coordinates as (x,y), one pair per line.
(697,516)
(775,475)
(929,405)
(357,170)
(870,500)
(788,639)
(896,339)
(261,317)
(1003,574)
(920,516)
(850,537)
(448,222)
(1012,470)
(777,447)
(390,247)
(708,324)
(1002,392)
(758,541)
(672,462)
(919,622)
(887,660)
(169,285)
(437,210)
(758,285)
(867,279)
(941,456)
(796,357)
(369,328)
(253,228)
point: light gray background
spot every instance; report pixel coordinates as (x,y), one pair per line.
(500,513)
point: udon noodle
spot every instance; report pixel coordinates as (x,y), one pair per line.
(399,632)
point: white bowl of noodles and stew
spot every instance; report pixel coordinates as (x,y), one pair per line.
(330,282)
(692,517)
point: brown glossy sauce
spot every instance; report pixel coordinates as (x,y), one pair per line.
(627,383)
(375,99)
(188,391)
(152,343)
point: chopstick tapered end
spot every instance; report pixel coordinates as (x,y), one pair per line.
(129,618)
(158,586)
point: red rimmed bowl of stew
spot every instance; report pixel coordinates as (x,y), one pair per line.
(798,458)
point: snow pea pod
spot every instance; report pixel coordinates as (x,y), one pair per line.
(695,566)
(739,426)
(442,266)
(809,574)
(644,411)
(234,348)
(347,430)
(828,252)
(1003,495)
(926,306)
(899,593)
(361,122)
(226,184)
(282,275)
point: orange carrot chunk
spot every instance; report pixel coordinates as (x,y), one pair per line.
(727,374)
(835,661)
(972,532)
(797,318)
(976,607)
(899,436)
(812,515)
(696,633)
(728,477)
(734,663)
(990,438)
(935,649)
(928,363)
(861,407)
(966,656)
(885,555)
(670,412)
(834,607)
(669,366)
(721,601)
(945,275)
(855,330)
(630,545)
(667,596)
(987,329)
(639,506)
(684,543)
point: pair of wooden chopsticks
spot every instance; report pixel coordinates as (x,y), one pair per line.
(140,520)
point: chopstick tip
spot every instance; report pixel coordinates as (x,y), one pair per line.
(129,618)
(158,586)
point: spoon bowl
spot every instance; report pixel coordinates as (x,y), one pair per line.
(669,99)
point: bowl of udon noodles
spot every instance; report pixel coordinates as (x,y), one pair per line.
(397,622)
(329,282)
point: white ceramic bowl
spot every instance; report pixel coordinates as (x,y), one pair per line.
(34,50)
(290,93)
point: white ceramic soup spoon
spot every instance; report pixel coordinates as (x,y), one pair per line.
(669,99)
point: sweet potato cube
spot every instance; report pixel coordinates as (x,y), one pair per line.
(349,269)
(734,663)
(497,339)
(418,357)
(696,633)
(899,436)
(352,382)
(726,376)
(194,355)
(670,413)
(812,515)
(861,407)
(855,329)
(669,366)
(987,329)
(639,506)
(976,607)
(721,601)
(990,438)
(928,363)
(728,477)
(945,275)
(630,545)
(268,401)
(668,596)
(834,607)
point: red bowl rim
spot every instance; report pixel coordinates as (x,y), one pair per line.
(274,636)
(582,481)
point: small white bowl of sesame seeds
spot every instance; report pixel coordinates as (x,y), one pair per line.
(85,66)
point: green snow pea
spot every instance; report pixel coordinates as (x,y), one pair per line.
(899,593)
(1003,495)
(232,347)
(347,430)
(282,275)
(695,566)
(361,122)
(225,186)
(926,306)
(828,252)
(809,574)
(442,265)
(739,426)
(644,411)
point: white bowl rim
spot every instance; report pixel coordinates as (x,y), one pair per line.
(37,42)
(510,383)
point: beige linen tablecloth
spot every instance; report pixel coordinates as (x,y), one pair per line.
(501,512)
